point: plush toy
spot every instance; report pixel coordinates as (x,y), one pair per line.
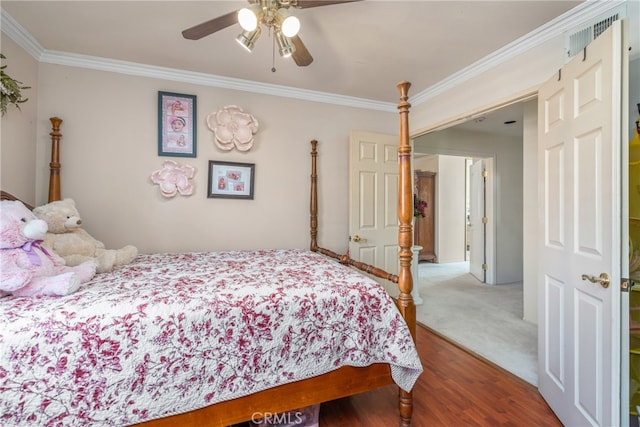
(27,269)
(74,244)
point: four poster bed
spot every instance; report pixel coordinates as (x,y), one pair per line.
(197,339)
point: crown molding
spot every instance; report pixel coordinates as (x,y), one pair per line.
(569,20)
(203,79)
(18,34)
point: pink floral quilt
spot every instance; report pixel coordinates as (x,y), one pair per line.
(171,333)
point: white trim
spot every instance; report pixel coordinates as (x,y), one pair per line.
(576,16)
(172,74)
(18,34)
(582,13)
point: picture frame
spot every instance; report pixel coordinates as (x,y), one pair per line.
(230,180)
(177,117)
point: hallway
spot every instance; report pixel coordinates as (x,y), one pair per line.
(485,319)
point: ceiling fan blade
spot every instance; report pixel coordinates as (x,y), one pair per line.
(202,30)
(301,56)
(305,4)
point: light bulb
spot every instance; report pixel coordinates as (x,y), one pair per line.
(290,26)
(247,19)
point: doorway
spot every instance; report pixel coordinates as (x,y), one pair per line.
(463,212)
(502,156)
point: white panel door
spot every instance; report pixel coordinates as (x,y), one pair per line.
(579,113)
(478,229)
(373,201)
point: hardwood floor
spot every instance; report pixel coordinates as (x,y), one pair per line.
(455,389)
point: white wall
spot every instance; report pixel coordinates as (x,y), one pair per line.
(18,148)
(109,150)
(427,163)
(450,231)
(507,81)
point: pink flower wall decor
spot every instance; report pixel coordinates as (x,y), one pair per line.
(174,178)
(233,127)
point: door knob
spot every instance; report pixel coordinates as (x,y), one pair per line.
(357,239)
(603,280)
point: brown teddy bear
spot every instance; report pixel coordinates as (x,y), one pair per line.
(75,245)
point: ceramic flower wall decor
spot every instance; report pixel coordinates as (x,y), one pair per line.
(233,128)
(174,178)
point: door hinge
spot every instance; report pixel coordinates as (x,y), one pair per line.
(485,220)
(624,285)
(485,267)
(485,173)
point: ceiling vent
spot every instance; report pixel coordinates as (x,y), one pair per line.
(578,39)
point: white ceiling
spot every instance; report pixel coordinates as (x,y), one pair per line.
(361,49)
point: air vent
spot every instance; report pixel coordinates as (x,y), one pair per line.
(576,40)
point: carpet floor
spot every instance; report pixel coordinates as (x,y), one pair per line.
(485,319)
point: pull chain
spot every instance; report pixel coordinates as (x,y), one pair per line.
(273,53)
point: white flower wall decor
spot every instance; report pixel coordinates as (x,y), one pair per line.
(233,128)
(174,178)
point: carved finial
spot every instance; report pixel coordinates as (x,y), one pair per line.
(55,123)
(404,90)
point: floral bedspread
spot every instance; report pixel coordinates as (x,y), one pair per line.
(172,333)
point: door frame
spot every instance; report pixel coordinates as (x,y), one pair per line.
(491,204)
(529,242)
(530,199)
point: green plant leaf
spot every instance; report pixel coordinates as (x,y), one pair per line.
(10,90)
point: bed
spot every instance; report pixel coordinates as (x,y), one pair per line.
(213,338)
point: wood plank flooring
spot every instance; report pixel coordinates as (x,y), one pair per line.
(455,389)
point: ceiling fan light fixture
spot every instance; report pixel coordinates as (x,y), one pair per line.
(285,47)
(247,39)
(248,18)
(290,24)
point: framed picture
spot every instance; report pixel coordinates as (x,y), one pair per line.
(231,180)
(176,125)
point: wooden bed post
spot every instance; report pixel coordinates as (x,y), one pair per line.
(404,279)
(405,237)
(314,197)
(54,166)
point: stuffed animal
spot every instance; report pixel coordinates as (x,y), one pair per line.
(27,268)
(74,244)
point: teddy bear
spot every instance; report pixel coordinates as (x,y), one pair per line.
(28,269)
(73,243)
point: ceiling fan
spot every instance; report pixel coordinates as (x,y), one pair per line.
(275,15)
